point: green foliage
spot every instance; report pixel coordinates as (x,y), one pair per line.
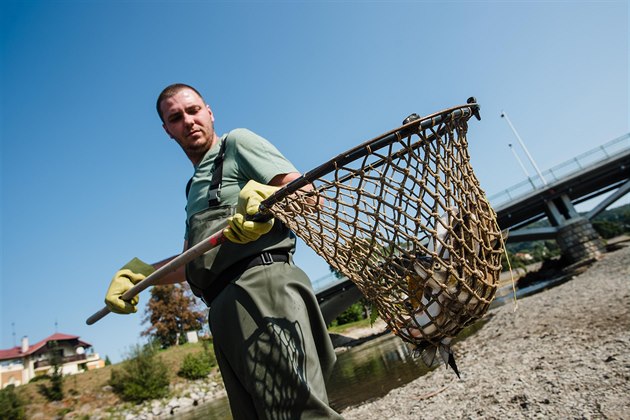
(107,361)
(196,365)
(609,229)
(373,314)
(513,262)
(336,273)
(142,377)
(54,391)
(11,405)
(355,312)
(618,215)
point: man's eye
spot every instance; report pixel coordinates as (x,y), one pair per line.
(193,110)
(174,118)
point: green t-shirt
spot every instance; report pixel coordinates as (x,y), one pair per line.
(247,156)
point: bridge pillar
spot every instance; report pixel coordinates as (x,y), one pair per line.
(576,237)
(579,241)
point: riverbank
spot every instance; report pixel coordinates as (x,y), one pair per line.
(562,353)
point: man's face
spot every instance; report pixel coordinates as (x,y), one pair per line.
(190,122)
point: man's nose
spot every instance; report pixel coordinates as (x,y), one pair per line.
(189,120)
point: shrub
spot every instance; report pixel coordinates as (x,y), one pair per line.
(11,405)
(198,365)
(142,377)
(354,313)
(195,366)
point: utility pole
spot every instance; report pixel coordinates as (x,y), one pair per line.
(531,159)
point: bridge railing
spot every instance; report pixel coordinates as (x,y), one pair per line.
(583,161)
(326,281)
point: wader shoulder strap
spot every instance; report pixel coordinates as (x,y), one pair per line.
(214,192)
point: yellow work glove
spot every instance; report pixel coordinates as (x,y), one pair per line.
(132,273)
(240,230)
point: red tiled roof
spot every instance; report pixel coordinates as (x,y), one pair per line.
(16,352)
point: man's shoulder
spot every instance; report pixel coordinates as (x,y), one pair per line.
(241,133)
(243,138)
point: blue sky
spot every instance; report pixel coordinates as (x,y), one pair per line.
(90,180)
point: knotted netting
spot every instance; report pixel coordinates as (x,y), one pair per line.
(403,217)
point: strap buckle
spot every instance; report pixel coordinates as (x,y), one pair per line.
(266,258)
(214,196)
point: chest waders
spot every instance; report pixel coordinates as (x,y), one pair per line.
(210,273)
(264,317)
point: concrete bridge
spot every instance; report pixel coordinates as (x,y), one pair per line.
(605,169)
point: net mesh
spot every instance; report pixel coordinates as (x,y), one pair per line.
(408,223)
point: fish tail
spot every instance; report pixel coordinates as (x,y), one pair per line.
(429,356)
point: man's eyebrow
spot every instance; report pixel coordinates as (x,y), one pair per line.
(173,114)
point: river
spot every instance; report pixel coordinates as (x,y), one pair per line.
(372,369)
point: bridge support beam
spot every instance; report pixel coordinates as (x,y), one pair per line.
(623,190)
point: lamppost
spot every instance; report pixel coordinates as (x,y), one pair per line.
(520,162)
(504,115)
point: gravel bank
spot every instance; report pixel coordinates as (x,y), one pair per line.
(563,353)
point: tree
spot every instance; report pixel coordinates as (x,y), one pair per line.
(54,391)
(171,313)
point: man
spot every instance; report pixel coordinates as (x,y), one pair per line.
(270,339)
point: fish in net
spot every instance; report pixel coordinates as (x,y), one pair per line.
(403,216)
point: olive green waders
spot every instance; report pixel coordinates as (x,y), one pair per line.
(272,345)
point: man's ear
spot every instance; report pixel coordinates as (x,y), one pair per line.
(210,111)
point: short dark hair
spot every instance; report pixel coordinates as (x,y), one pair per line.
(172,90)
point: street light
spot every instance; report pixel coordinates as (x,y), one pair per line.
(520,162)
(504,115)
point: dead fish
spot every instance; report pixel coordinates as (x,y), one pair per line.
(435,288)
(429,355)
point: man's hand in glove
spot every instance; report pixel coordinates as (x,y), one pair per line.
(240,230)
(132,273)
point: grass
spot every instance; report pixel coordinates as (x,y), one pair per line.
(90,390)
(338,329)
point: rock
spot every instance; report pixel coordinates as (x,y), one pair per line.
(185,402)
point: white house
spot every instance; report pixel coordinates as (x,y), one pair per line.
(20,364)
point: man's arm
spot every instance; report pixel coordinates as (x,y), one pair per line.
(177,276)
(283,179)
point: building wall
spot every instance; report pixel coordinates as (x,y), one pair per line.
(11,373)
(19,372)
